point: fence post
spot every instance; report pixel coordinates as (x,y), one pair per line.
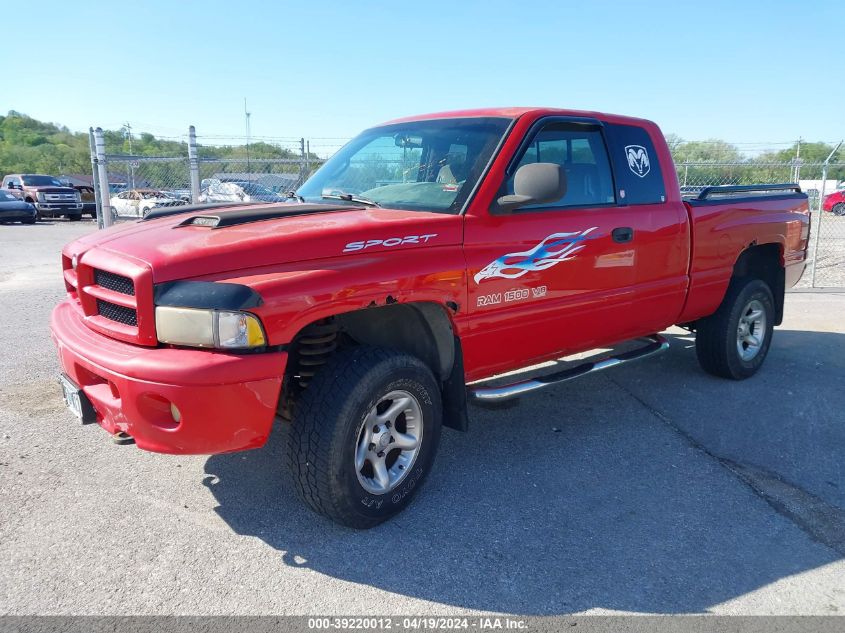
(105,201)
(194,164)
(818,225)
(95,177)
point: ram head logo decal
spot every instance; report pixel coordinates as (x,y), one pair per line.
(556,248)
(638,160)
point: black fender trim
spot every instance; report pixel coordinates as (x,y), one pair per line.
(455,414)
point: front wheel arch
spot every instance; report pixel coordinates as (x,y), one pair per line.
(422,329)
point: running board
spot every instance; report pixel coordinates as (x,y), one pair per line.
(654,345)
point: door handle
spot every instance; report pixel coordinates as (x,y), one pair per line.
(622,234)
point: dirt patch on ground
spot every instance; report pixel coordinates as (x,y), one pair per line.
(33,399)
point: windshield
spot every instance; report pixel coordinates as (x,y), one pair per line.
(419,166)
(5,197)
(41,181)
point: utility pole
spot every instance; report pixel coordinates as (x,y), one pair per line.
(797,176)
(246,121)
(301,160)
(307,157)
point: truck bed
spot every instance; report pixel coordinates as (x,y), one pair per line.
(726,220)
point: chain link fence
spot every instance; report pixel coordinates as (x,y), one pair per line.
(191,169)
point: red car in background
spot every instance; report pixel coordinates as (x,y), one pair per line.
(835,202)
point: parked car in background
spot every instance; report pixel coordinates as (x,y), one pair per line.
(49,196)
(238,191)
(139,202)
(89,202)
(13,209)
(835,202)
(182,194)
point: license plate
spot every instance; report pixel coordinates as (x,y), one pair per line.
(72,396)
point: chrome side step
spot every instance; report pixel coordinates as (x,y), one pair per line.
(654,345)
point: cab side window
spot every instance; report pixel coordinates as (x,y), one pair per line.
(580,150)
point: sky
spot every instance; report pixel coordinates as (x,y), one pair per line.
(752,73)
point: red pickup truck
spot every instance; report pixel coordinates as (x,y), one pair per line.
(428,255)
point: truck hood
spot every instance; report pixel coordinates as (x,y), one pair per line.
(50,189)
(180,246)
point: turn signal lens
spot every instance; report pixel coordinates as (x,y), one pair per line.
(238,330)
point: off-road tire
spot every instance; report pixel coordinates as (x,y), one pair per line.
(716,335)
(324,431)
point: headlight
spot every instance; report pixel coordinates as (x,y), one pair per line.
(209,328)
(40,196)
(77,196)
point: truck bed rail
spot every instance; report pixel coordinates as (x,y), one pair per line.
(778,189)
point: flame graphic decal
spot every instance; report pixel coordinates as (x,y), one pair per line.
(556,248)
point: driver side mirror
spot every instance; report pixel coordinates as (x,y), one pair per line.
(534,183)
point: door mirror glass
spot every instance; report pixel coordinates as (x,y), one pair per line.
(535,183)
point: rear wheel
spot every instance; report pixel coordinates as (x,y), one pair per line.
(364,434)
(734,341)
(839,208)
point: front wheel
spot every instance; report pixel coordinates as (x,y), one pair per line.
(839,209)
(734,341)
(364,434)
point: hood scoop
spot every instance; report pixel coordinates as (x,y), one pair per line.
(231,215)
(247,215)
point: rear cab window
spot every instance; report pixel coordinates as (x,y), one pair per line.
(639,178)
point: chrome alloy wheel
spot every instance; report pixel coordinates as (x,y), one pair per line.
(389,442)
(751,331)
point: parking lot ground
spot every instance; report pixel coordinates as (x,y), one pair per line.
(652,488)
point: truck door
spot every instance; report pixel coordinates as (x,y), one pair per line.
(647,186)
(550,279)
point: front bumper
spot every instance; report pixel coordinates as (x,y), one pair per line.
(227,402)
(16,215)
(61,208)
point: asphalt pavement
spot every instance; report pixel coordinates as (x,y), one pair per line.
(651,488)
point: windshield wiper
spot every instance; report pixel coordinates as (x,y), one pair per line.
(350,197)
